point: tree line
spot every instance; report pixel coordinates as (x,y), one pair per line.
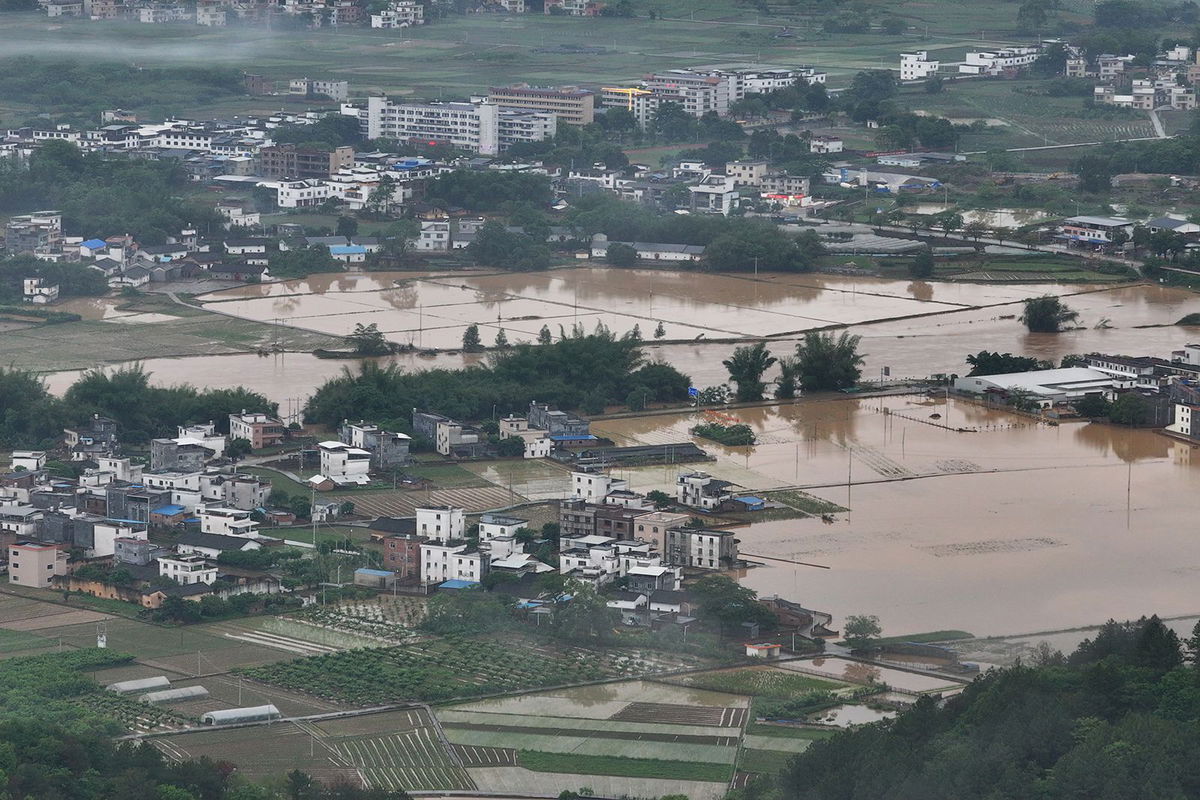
(578,371)
(32,417)
(1118,718)
(821,362)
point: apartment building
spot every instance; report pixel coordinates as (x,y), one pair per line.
(470,126)
(289,161)
(525,126)
(698,92)
(704,549)
(569,104)
(442,523)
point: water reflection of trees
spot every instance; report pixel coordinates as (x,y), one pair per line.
(1125,443)
(833,421)
(402,298)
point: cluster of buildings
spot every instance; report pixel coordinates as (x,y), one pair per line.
(1169,388)
(610,537)
(104,518)
(542,430)
(1166,83)
(1007,62)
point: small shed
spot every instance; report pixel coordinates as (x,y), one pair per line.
(175,695)
(750,503)
(374,578)
(235,716)
(140,685)
(763,650)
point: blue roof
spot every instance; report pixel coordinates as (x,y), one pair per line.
(750,500)
(347,249)
(457,584)
(378,573)
(94,244)
(170,511)
(572,437)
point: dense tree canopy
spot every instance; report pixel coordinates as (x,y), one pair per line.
(1120,720)
(31,417)
(488,190)
(102,197)
(986,362)
(826,362)
(575,371)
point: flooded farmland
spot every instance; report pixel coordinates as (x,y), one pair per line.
(1009,528)
(1014,526)
(915,328)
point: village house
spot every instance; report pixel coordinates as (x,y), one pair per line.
(35,564)
(697,547)
(701,490)
(387,449)
(344,464)
(260,430)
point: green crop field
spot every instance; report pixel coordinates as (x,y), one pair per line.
(764,681)
(448,667)
(627,767)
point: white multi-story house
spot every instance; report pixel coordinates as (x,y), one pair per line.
(446,561)
(344,463)
(996,61)
(187,570)
(492,526)
(435,236)
(593,487)
(226,521)
(399,14)
(443,524)
(299,194)
(917,66)
(701,490)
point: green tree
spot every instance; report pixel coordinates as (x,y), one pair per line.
(660,499)
(730,603)
(827,363)
(501,339)
(346,508)
(746,368)
(921,267)
(1047,314)
(238,449)
(1093,406)
(346,226)
(368,340)
(301,506)
(659,331)
(1129,409)
(789,374)
(861,631)
(471,341)
(986,362)
(544,336)
(1157,647)
(620,254)
(1192,647)
(934,84)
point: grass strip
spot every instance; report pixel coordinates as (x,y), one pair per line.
(764,762)
(925,638)
(782,732)
(573,763)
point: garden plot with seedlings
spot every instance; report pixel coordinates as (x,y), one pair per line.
(768,681)
(443,668)
(385,619)
(599,702)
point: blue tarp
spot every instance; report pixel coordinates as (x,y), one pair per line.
(169,511)
(94,244)
(378,573)
(572,437)
(457,584)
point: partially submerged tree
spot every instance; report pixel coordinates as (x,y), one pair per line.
(1047,314)
(746,367)
(827,363)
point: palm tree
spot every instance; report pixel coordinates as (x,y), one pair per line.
(746,367)
(827,363)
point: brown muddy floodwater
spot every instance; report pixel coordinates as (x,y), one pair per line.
(1014,527)
(915,328)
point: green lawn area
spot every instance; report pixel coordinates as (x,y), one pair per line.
(278,480)
(624,767)
(11,641)
(763,762)
(782,732)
